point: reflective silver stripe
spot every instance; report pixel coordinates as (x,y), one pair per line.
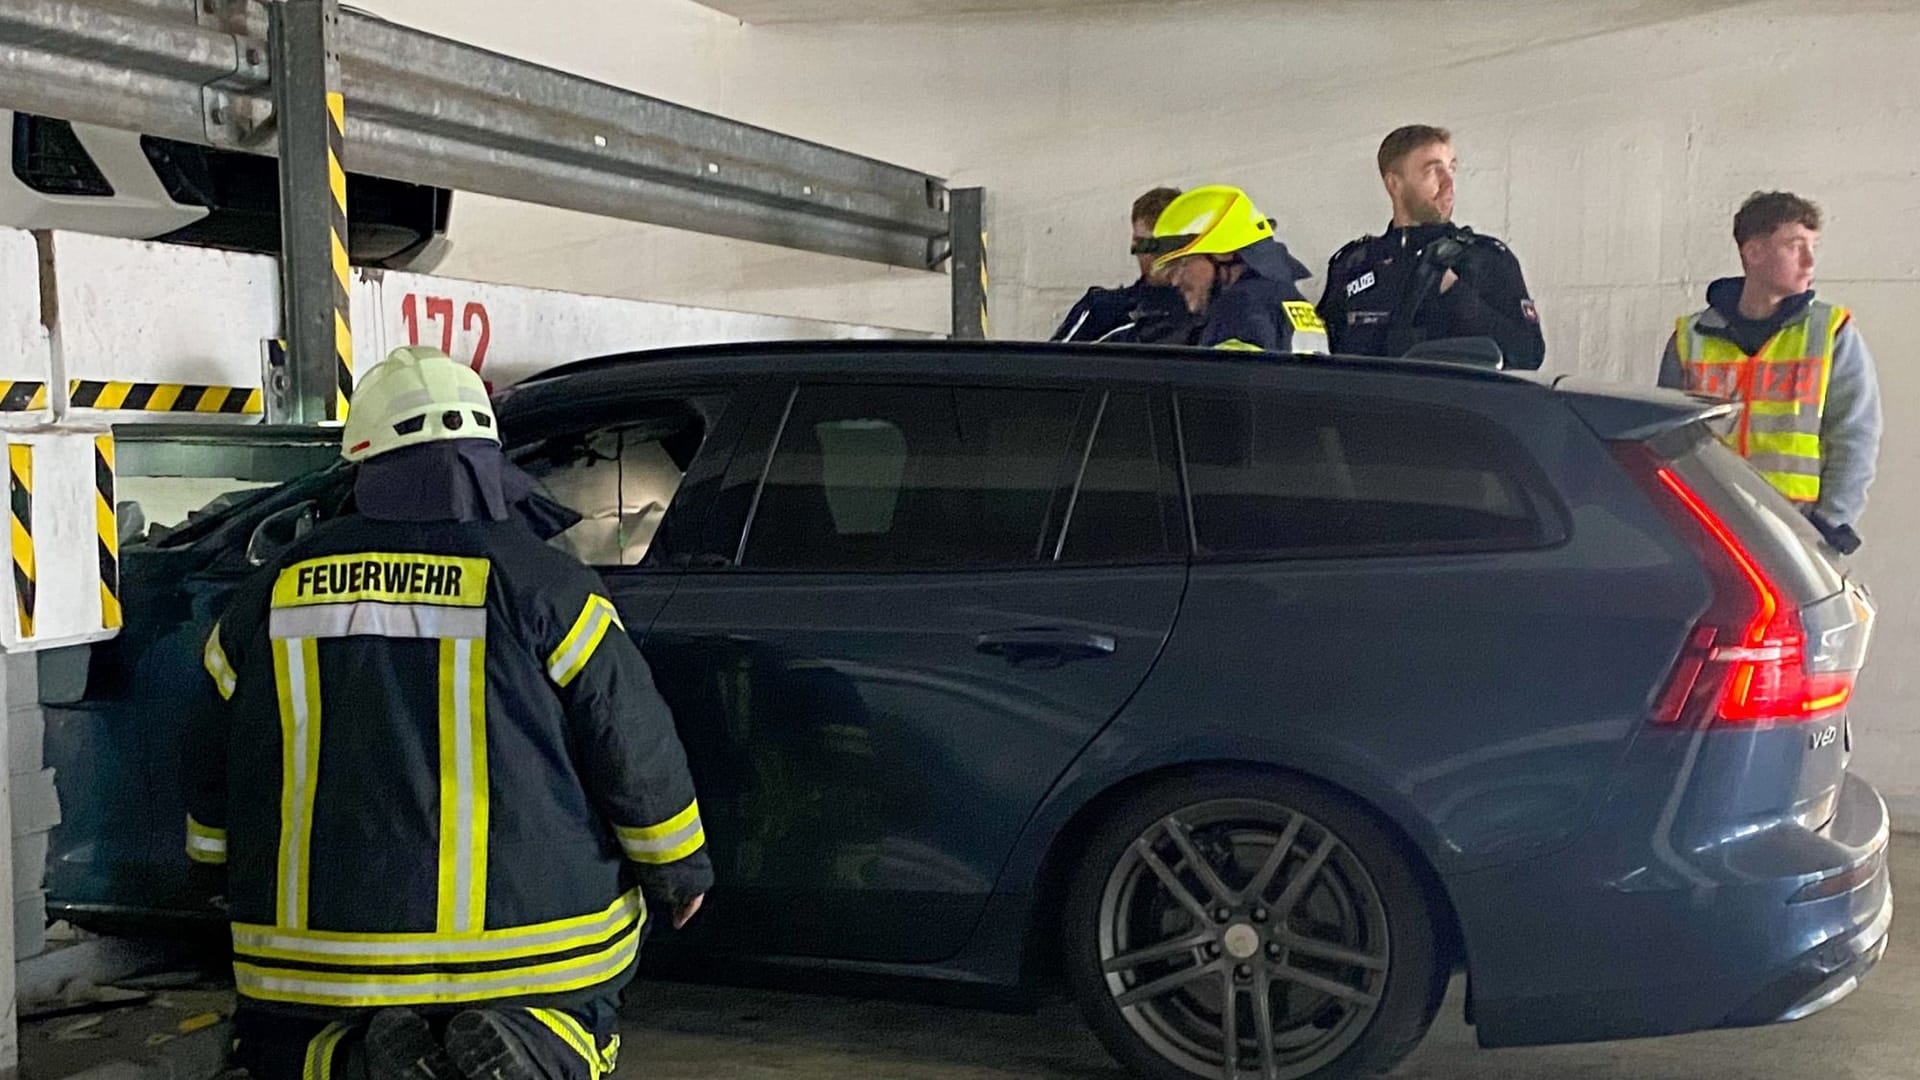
(1309,341)
(378,620)
(297,784)
(637,849)
(280,984)
(420,399)
(1801,421)
(1785,463)
(586,638)
(432,948)
(1819,325)
(463,915)
(222,671)
(207,845)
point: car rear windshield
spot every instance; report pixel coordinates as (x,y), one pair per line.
(1772,526)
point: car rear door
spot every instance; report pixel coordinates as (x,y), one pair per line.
(919,600)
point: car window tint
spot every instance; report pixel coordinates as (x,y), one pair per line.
(913,478)
(1307,475)
(1117,511)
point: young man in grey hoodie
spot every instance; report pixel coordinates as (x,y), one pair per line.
(1810,417)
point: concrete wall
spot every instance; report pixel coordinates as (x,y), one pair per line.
(1607,140)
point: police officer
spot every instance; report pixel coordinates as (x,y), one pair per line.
(1149,310)
(1235,277)
(436,771)
(1427,278)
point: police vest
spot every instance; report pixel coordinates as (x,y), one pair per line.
(1782,390)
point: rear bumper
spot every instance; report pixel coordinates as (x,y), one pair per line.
(1765,929)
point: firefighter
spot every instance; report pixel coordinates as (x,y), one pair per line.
(434,766)
(1236,278)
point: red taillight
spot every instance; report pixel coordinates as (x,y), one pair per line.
(1746,661)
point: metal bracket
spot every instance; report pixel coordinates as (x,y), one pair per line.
(234,109)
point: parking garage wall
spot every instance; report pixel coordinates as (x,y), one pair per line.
(1608,141)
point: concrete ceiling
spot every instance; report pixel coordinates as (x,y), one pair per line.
(868,11)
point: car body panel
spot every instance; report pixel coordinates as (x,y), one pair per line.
(884,798)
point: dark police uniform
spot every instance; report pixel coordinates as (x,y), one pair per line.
(1383,294)
(1140,312)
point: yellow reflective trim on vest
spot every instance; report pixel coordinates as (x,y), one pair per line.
(342,949)
(362,990)
(462,906)
(1795,486)
(569,1031)
(1791,443)
(320,1051)
(1236,345)
(206,844)
(296,670)
(383,577)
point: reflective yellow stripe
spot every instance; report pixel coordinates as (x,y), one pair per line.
(1794,486)
(597,616)
(670,841)
(463,786)
(296,669)
(319,1064)
(610,1054)
(205,844)
(1236,345)
(215,659)
(340,949)
(1791,443)
(569,1031)
(355,990)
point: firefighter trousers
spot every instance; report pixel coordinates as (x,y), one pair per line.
(580,1042)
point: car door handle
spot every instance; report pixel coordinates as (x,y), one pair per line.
(1042,647)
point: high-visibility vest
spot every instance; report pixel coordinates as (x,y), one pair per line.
(1782,390)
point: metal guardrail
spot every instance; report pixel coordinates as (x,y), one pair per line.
(434,111)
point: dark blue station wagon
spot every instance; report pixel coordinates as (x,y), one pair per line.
(1256,696)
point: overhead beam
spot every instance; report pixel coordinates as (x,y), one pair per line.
(431,110)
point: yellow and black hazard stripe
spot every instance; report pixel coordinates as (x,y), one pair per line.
(25,566)
(342,269)
(22,396)
(163,397)
(984,332)
(107,526)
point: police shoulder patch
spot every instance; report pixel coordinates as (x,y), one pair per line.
(1353,254)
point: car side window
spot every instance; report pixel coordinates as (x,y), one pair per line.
(914,478)
(621,479)
(1306,475)
(1119,509)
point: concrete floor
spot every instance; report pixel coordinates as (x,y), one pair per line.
(682,1032)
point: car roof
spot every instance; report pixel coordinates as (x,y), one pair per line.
(1011,358)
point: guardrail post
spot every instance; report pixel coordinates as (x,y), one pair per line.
(969,238)
(315,279)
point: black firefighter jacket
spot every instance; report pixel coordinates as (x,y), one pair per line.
(438,773)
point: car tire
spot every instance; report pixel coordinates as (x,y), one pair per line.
(1351,972)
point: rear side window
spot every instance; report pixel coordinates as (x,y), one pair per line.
(1121,507)
(914,478)
(1304,475)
